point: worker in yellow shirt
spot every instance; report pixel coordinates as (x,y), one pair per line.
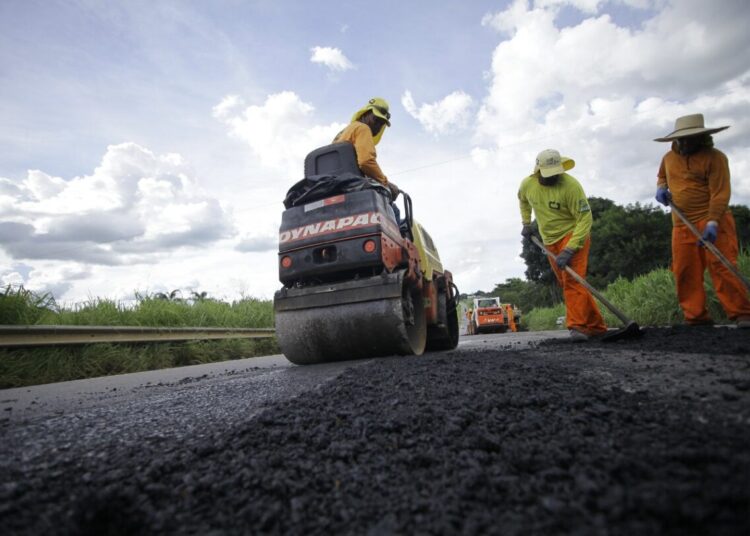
(564,219)
(364,132)
(695,178)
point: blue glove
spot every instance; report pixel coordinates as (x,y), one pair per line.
(663,196)
(563,258)
(710,232)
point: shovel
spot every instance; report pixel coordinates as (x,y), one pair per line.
(713,249)
(631,329)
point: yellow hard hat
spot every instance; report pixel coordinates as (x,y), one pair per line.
(380,108)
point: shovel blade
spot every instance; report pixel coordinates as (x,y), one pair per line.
(631,331)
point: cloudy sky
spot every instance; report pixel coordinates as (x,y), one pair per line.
(147,145)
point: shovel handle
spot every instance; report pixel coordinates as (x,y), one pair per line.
(712,248)
(619,314)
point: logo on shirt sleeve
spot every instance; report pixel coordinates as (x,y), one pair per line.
(583,205)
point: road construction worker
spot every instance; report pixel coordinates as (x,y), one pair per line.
(695,178)
(564,219)
(364,132)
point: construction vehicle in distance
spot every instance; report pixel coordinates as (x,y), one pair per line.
(489,315)
(356,282)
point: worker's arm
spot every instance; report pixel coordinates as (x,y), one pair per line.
(663,195)
(366,155)
(525,206)
(581,211)
(718,186)
(661,175)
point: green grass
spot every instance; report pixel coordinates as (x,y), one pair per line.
(543,318)
(650,300)
(152,312)
(21,306)
(32,366)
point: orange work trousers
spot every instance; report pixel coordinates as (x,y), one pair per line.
(689,262)
(581,311)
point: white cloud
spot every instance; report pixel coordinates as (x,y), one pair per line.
(445,115)
(135,205)
(333,58)
(227,106)
(257,244)
(11,278)
(586,6)
(600,92)
(280,132)
(480,157)
(507,20)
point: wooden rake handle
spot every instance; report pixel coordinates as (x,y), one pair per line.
(710,247)
(599,296)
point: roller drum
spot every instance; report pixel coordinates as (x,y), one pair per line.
(370,317)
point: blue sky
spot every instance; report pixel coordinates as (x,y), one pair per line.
(69,66)
(147,145)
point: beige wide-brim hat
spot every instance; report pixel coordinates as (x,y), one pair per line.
(689,125)
(549,162)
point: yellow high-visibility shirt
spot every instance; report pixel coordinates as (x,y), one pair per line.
(559,209)
(360,135)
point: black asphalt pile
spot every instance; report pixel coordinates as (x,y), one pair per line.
(688,339)
(562,438)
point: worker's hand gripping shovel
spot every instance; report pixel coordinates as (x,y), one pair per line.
(712,248)
(631,329)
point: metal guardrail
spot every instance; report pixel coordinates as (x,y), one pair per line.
(18,336)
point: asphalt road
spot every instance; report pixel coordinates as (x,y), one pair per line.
(507,434)
(271,378)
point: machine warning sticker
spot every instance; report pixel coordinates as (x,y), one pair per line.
(334,225)
(325,202)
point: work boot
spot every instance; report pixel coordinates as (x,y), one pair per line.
(578,336)
(743,322)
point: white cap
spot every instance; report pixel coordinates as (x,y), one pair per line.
(549,162)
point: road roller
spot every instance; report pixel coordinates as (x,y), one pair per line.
(358,281)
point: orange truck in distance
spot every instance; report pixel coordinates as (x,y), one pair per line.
(489,315)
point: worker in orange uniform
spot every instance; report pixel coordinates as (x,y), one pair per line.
(364,132)
(695,178)
(564,219)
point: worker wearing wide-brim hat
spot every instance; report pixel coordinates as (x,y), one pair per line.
(564,219)
(694,176)
(364,132)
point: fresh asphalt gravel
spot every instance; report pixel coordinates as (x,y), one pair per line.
(648,436)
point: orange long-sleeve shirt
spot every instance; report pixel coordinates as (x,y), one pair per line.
(699,183)
(360,135)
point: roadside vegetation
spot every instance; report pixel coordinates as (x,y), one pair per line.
(31,366)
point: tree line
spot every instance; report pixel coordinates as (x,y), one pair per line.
(626,241)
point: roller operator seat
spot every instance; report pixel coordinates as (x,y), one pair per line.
(334,159)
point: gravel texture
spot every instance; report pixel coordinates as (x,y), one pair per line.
(636,437)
